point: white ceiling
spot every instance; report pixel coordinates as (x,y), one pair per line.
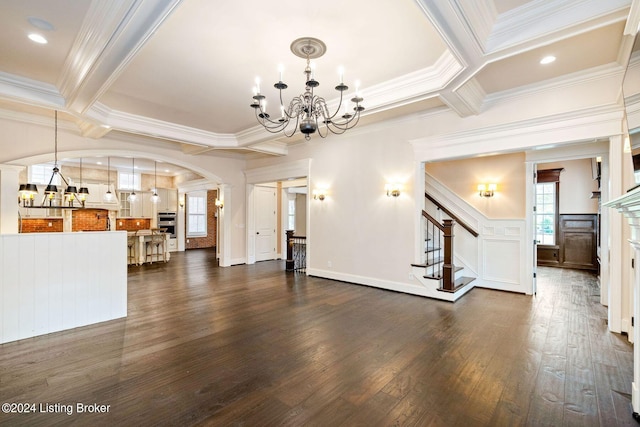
(183,71)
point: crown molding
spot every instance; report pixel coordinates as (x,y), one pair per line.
(126,122)
(278,172)
(413,87)
(632,26)
(602,72)
(111,35)
(480,17)
(540,18)
(28,91)
(574,126)
(632,110)
(467,99)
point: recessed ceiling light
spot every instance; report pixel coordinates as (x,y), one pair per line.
(547,59)
(37,38)
(40,23)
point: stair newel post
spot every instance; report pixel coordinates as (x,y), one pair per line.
(290,264)
(448,270)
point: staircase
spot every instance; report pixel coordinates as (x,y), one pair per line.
(438,274)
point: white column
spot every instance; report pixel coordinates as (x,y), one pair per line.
(615,243)
(9,198)
(224,225)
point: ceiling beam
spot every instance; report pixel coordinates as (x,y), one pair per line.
(111,35)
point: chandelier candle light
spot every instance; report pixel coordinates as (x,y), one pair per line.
(307,111)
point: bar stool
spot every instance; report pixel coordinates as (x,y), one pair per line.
(157,240)
(131,248)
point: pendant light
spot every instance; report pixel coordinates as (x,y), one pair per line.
(132,197)
(52,189)
(84,191)
(108,196)
(155,198)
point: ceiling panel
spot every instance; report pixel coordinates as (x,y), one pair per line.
(200,66)
(582,52)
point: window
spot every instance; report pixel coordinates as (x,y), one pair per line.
(291,214)
(197,214)
(546,213)
(41,174)
(129,181)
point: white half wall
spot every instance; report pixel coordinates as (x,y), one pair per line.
(56,281)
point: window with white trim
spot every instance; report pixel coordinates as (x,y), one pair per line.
(291,213)
(197,214)
(546,213)
(129,181)
(41,174)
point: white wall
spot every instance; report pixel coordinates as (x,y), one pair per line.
(358,234)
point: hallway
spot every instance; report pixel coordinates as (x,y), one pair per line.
(253,345)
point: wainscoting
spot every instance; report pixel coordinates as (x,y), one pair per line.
(577,243)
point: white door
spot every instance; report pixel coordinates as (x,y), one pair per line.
(265,214)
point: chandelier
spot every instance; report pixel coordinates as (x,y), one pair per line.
(71,193)
(308,111)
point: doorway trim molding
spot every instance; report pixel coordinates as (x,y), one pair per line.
(280,172)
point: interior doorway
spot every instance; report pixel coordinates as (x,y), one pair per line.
(266,223)
(567,224)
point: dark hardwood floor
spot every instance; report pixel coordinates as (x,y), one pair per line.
(255,346)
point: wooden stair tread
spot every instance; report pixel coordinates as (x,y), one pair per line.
(434,261)
(459,284)
(438,274)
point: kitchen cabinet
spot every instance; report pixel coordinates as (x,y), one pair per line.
(168,200)
(142,207)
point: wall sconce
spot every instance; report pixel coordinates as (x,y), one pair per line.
(393,190)
(486,190)
(181,202)
(219,204)
(319,195)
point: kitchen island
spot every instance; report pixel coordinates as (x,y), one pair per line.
(143,251)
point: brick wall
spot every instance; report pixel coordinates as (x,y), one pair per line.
(42,225)
(89,220)
(210,240)
(133,224)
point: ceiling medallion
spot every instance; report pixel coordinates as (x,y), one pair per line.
(308,111)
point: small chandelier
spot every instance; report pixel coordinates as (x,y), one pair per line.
(154,197)
(133,197)
(71,192)
(108,197)
(307,111)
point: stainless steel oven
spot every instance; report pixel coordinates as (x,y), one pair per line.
(167,221)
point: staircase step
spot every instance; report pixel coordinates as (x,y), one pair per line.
(459,284)
(434,261)
(431,249)
(438,274)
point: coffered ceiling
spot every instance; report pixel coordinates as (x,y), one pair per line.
(183,71)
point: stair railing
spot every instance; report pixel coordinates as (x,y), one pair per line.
(440,206)
(296,252)
(440,237)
